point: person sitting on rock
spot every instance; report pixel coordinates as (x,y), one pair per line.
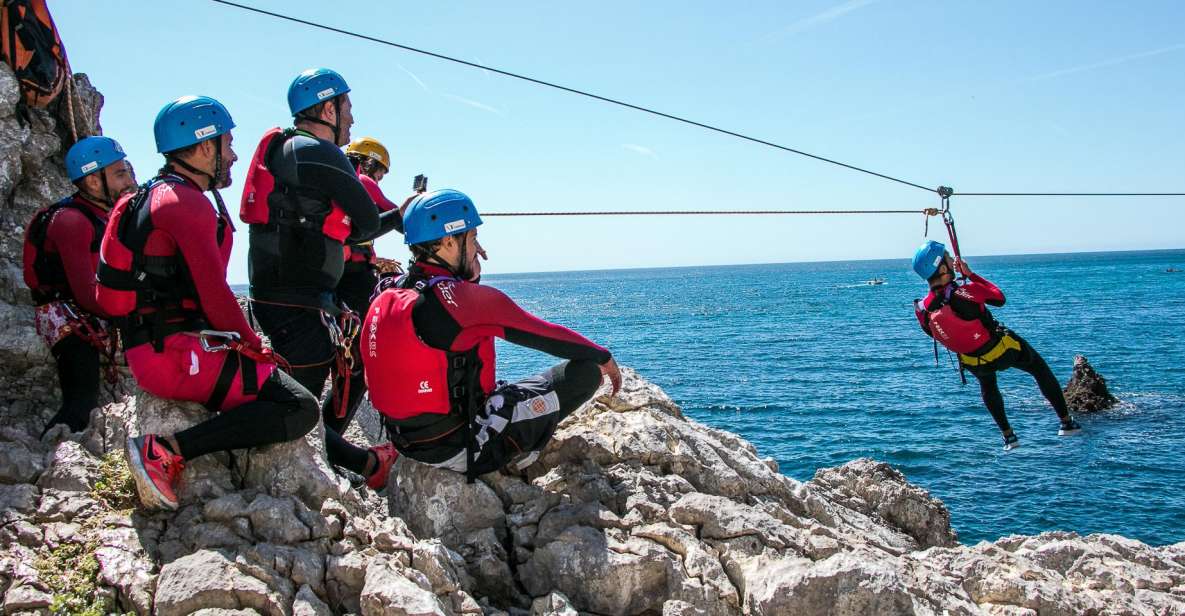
(957,316)
(429,344)
(371,161)
(304,204)
(163,270)
(61,253)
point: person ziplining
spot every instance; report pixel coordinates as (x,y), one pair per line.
(956,315)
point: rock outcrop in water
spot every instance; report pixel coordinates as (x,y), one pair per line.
(634,509)
(1087,390)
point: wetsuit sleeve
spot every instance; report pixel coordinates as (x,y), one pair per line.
(483,311)
(194,227)
(984,292)
(389,219)
(71,233)
(919,311)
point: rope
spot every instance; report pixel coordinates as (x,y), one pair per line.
(702,212)
(549,84)
(1017,194)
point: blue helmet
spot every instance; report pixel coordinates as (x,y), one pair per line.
(313,86)
(437,214)
(90,155)
(189,120)
(927,259)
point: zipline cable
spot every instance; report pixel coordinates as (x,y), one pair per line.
(570,90)
(702,212)
(1050,194)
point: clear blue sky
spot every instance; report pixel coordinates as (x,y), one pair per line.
(983,96)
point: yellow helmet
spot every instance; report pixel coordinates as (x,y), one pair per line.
(370,147)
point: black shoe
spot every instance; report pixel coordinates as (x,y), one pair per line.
(1069,426)
(1011,442)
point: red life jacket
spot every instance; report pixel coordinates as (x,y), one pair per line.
(266,203)
(406,377)
(43,271)
(952,331)
(141,290)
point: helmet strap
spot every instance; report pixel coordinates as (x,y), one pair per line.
(212,184)
(106,201)
(337,120)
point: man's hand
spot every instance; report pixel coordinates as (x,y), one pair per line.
(611,370)
(406,202)
(963,268)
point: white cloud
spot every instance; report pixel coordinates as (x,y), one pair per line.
(1107,63)
(474,104)
(640,149)
(819,19)
(414,78)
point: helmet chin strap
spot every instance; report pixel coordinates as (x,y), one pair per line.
(337,120)
(213,178)
(106,199)
(461,271)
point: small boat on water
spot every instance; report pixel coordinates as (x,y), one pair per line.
(875,281)
(1172,270)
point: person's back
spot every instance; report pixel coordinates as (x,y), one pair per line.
(304,203)
(430,353)
(61,254)
(162,274)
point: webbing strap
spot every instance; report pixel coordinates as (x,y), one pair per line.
(226,376)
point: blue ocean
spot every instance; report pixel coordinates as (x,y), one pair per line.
(816,367)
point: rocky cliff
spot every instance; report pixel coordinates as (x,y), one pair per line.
(633,509)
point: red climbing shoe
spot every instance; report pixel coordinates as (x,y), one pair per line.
(155,469)
(385,454)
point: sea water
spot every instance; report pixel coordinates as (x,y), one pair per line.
(816,367)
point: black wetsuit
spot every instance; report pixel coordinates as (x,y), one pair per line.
(969,303)
(294,271)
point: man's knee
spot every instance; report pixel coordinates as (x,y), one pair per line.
(302,412)
(582,377)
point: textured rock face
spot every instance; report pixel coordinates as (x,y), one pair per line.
(31,177)
(1087,390)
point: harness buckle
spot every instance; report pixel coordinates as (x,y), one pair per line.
(226,340)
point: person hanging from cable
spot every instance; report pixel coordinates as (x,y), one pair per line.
(957,316)
(162,275)
(371,161)
(61,253)
(304,202)
(430,356)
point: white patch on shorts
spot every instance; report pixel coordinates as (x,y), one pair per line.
(194,366)
(536,407)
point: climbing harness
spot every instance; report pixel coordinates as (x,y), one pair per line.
(343,330)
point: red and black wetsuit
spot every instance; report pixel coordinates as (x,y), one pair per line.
(185,224)
(360,273)
(70,249)
(415,384)
(295,270)
(957,317)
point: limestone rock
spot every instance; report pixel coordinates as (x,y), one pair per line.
(71,469)
(308,604)
(439,503)
(388,593)
(876,488)
(554,604)
(1087,390)
(18,464)
(210,579)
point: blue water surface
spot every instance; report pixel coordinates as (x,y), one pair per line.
(815,368)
